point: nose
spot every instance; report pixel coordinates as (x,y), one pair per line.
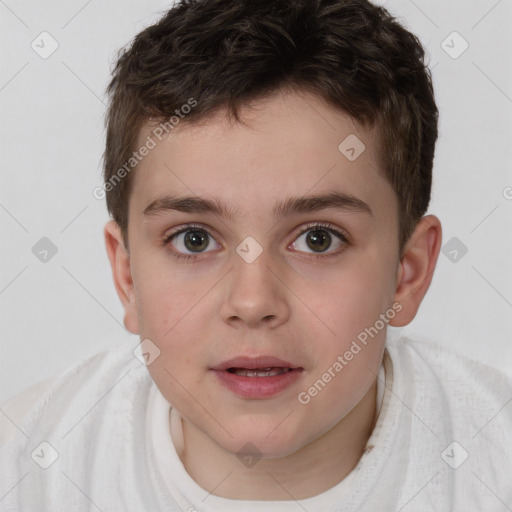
(255,294)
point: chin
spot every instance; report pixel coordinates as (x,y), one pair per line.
(259,444)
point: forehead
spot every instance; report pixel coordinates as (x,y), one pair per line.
(289,144)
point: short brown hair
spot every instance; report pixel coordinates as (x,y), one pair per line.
(226,53)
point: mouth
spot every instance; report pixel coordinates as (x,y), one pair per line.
(259,364)
(259,372)
(257,377)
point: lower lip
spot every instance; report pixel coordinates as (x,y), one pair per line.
(257,387)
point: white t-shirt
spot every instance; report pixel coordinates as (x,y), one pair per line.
(443,441)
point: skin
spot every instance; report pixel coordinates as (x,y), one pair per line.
(286,303)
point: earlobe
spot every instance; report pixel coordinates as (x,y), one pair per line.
(119,259)
(416,268)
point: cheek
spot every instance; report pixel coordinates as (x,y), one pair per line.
(173,317)
(349,350)
(164,299)
(347,361)
(350,300)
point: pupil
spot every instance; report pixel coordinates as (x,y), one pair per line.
(195,240)
(318,239)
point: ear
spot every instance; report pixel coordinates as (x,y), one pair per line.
(416,268)
(120,262)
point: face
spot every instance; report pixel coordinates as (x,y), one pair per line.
(266,275)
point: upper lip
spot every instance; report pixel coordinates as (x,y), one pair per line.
(252,363)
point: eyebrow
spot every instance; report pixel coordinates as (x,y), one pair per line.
(298,204)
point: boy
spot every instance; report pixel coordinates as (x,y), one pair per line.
(267,168)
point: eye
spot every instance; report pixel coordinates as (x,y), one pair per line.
(189,241)
(318,238)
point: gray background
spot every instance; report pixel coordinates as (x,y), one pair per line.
(56,313)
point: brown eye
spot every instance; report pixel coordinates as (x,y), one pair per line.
(196,240)
(318,239)
(191,240)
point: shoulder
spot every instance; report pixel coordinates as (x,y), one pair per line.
(87,378)
(431,357)
(16,409)
(458,416)
(87,422)
(467,395)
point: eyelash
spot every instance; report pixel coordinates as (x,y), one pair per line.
(309,227)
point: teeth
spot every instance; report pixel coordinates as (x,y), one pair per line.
(263,372)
